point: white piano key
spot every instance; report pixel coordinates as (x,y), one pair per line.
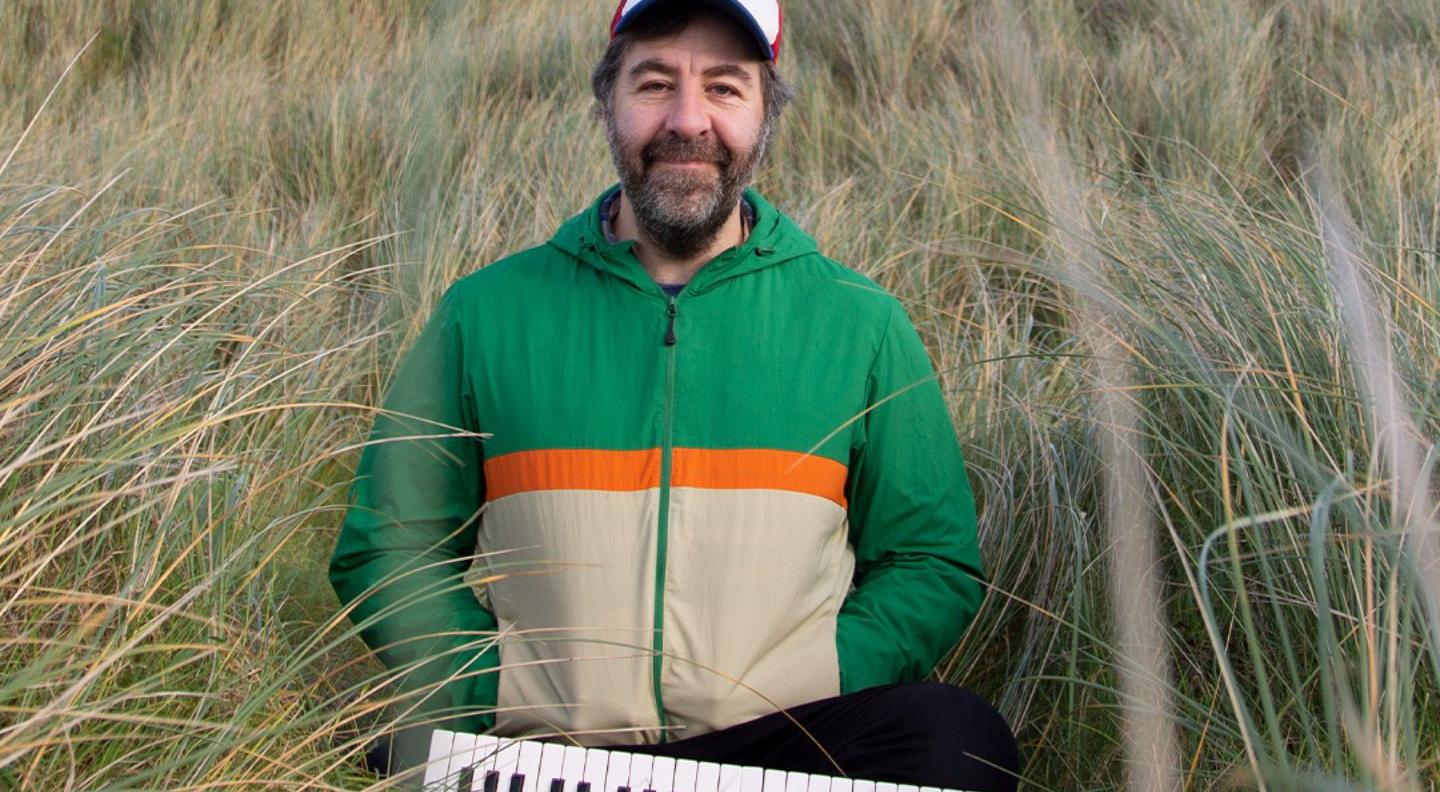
(463,753)
(885,786)
(504,747)
(639,772)
(685,772)
(483,760)
(729,778)
(838,784)
(437,770)
(507,758)
(617,771)
(484,750)
(797,782)
(552,765)
(573,767)
(930,789)
(529,766)
(662,774)
(707,777)
(906,788)
(751,778)
(820,783)
(597,763)
(863,786)
(774,781)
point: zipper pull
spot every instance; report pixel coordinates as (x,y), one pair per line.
(670,326)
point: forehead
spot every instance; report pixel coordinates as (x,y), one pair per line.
(710,39)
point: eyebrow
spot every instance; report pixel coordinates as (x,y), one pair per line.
(661,67)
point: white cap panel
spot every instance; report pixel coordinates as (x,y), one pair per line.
(765,13)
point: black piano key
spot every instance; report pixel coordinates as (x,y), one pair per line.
(466,779)
(583,786)
(623,789)
(557,785)
(492,781)
(647,789)
(517,782)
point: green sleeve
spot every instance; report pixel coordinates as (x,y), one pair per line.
(409,534)
(918,579)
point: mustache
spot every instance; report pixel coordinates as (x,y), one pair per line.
(673,148)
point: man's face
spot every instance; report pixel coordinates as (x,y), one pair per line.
(686,130)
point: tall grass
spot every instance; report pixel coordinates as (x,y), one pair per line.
(1183,246)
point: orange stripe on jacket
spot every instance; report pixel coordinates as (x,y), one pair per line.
(571,468)
(629,471)
(759,468)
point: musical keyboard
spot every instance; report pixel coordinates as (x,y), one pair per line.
(460,762)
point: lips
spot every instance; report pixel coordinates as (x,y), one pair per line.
(686,159)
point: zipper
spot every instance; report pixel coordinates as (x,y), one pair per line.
(661,542)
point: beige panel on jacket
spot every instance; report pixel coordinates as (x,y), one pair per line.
(575,613)
(754,581)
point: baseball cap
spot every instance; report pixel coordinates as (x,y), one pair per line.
(761,17)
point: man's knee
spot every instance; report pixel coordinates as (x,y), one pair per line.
(955,735)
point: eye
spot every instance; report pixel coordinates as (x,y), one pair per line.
(725,90)
(654,86)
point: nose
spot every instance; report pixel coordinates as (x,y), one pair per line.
(688,117)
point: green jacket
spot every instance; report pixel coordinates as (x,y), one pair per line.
(687,512)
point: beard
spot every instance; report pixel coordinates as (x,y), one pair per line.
(681,210)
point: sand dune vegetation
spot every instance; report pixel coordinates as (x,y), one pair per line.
(1175,260)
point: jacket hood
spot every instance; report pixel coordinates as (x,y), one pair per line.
(774,239)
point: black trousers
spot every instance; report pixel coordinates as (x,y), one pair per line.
(921,733)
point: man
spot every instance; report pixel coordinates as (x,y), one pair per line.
(717,475)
